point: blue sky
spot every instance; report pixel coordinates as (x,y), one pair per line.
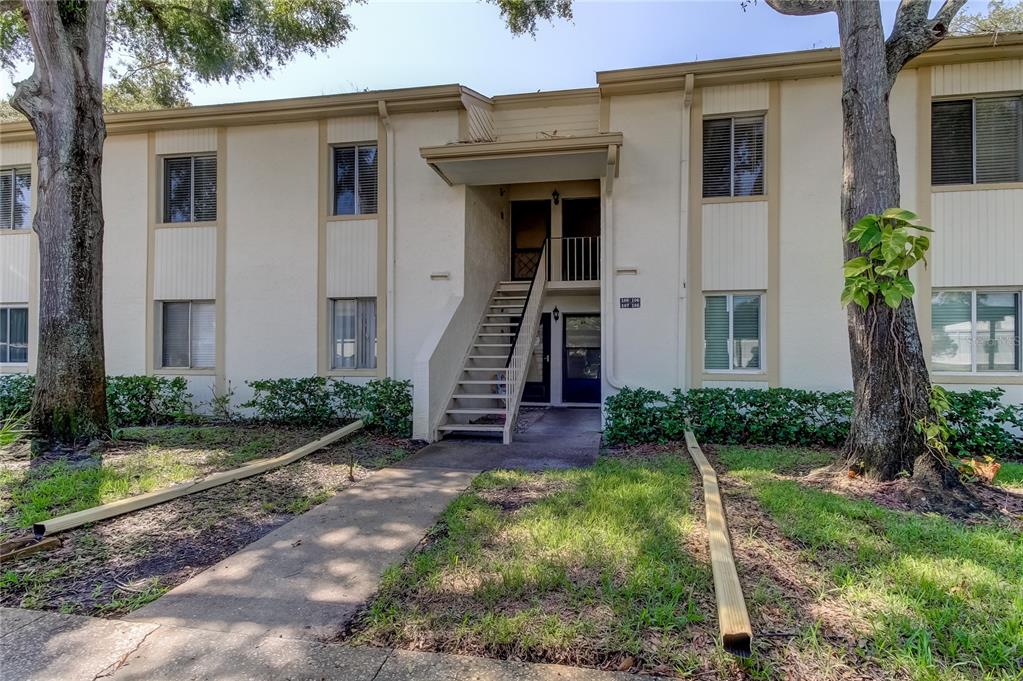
(405,44)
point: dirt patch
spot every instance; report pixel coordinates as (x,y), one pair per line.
(510,499)
(117,565)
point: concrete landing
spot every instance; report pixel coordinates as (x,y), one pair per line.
(560,437)
(44,646)
(308,578)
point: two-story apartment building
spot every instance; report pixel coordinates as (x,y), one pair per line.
(674,226)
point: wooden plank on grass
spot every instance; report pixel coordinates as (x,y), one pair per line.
(26,547)
(736,631)
(114,508)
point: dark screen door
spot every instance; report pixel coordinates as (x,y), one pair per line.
(530,227)
(581,365)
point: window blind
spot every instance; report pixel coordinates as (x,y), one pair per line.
(367,179)
(715,333)
(15,198)
(952,142)
(344,180)
(746,332)
(999,126)
(997,338)
(748,156)
(202,335)
(190,189)
(204,173)
(717,157)
(175,335)
(14,335)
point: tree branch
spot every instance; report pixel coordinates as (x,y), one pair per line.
(914,33)
(803,8)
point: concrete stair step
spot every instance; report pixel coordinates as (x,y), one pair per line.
(472,428)
(478,412)
(479,396)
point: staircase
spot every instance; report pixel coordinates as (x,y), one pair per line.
(479,403)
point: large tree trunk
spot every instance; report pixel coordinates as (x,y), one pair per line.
(63,100)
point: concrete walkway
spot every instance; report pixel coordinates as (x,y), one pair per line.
(38,646)
(559,437)
(308,578)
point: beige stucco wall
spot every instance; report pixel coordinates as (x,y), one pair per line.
(271,273)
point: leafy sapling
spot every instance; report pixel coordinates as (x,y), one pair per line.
(889,249)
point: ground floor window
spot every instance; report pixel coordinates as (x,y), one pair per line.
(975,331)
(732,332)
(188,339)
(354,333)
(13,335)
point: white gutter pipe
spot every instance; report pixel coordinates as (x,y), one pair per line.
(607,323)
(681,340)
(385,118)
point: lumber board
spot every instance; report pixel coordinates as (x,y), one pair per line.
(121,506)
(733,618)
(27,548)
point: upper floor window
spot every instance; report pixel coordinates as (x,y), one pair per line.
(190,188)
(188,334)
(977,141)
(13,335)
(15,198)
(355,180)
(975,331)
(733,156)
(732,332)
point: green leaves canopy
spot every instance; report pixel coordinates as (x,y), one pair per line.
(159,44)
(890,248)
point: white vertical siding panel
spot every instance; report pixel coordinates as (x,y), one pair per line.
(978,239)
(528,123)
(14,266)
(186,264)
(352,129)
(735,98)
(480,122)
(977,77)
(186,141)
(17,153)
(352,258)
(735,246)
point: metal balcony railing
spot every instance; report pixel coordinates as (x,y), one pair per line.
(574,258)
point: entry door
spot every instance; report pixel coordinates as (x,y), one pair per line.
(530,227)
(538,376)
(581,365)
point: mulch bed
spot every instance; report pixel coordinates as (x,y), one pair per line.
(113,566)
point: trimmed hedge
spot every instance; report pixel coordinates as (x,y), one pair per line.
(981,423)
(385,404)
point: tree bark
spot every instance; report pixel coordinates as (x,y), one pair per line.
(63,100)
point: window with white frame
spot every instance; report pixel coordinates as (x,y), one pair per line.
(354,333)
(355,179)
(13,335)
(189,339)
(15,198)
(733,156)
(732,338)
(977,141)
(975,331)
(190,188)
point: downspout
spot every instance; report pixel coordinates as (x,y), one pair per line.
(607,324)
(385,118)
(682,327)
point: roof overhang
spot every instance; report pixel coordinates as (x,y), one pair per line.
(556,159)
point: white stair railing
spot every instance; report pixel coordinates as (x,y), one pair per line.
(522,348)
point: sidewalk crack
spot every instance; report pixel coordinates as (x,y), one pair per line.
(112,668)
(387,657)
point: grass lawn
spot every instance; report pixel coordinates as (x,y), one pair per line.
(904,594)
(119,564)
(1010,474)
(603,566)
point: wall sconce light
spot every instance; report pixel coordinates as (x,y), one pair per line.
(556,314)
(556,196)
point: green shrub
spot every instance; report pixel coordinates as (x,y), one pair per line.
(981,423)
(147,400)
(293,401)
(387,404)
(983,426)
(16,394)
